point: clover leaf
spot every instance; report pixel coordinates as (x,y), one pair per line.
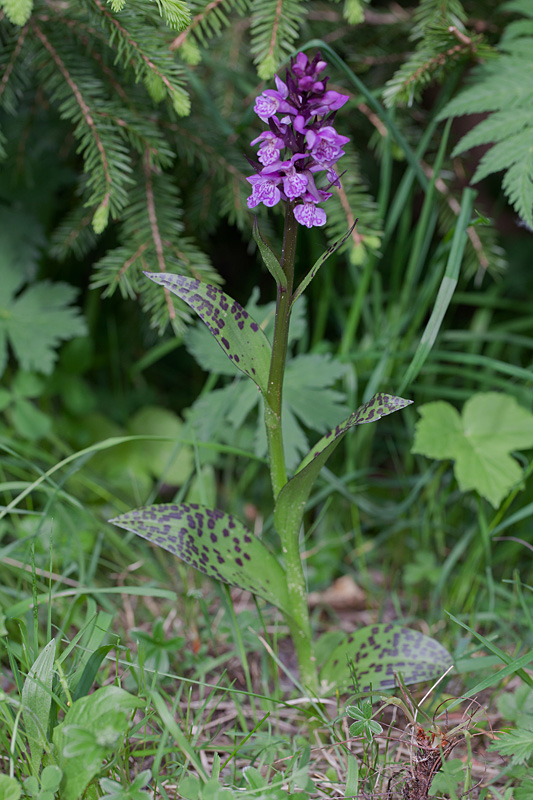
(479,441)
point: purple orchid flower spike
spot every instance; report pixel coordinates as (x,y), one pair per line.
(301,141)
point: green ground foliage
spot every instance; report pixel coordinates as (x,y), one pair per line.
(125,674)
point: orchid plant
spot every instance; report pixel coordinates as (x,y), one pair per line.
(299,145)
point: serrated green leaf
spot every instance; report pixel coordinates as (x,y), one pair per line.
(306,391)
(492,425)
(517,744)
(36,321)
(293,497)
(239,336)
(215,543)
(378,652)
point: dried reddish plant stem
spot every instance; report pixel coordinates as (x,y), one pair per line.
(275,26)
(154,226)
(9,69)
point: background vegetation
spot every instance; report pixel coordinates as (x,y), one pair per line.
(124,130)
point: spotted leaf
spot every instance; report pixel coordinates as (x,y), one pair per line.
(293,497)
(378,653)
(239,336)
(214,543)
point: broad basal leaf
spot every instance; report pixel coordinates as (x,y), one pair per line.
(91,730)
(214,543)
(479,441)
(294,494)
(378,652)
(239,336)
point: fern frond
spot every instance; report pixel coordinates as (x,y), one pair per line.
(275,26)
(504,88)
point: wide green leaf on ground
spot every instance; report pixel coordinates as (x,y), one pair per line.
(378,653)
(91,731)
(293,496)
(479,441)
(239,336)
(214,543)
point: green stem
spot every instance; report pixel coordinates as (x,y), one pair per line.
(298,622)
(278,472)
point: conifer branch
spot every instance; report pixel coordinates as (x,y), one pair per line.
(127,264)
(84,108)
(145,59)
(13,60)
(197,20)
(269,56)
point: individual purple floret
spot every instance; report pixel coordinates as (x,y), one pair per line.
(301,141)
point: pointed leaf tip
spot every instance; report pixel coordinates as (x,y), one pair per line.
(381,652)
(236,332)
(214,543)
